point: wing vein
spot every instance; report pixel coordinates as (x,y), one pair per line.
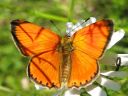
(39,32)
(26,33)
(47,62)
(41,71)
(78,49)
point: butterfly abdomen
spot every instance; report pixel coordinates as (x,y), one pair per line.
(66,62)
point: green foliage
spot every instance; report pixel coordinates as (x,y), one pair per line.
(13,65)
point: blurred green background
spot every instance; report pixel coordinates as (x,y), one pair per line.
(13,78)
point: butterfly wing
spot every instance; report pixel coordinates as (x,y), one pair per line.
(33,39)
(89,44)
(44,69)
(41,45)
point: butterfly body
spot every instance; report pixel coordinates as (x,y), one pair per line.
(66,49)
(62,61)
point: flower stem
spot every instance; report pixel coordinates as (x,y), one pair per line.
(5,89)
(71,10)
(83,92)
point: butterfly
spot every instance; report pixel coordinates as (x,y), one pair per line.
(62,61)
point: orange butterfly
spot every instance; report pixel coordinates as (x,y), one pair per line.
(62,61)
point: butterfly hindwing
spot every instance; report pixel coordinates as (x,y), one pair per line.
(88,44)
(45,69)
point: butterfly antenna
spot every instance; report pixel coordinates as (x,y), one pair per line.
(55,26)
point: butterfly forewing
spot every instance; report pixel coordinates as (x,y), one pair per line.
(33,39)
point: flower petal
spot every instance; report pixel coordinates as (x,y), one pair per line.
(124,59)
(72,92)
(69,25)
(38,87)
(83,23)
(69,28)
(116,37)
(90,21)
(97,91)
(120,74)
(108,59)
(122,55)
(109,84)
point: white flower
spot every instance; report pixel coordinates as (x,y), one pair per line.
(122,59)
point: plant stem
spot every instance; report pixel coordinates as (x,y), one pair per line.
(51,17)
(5,89)
(71,10)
